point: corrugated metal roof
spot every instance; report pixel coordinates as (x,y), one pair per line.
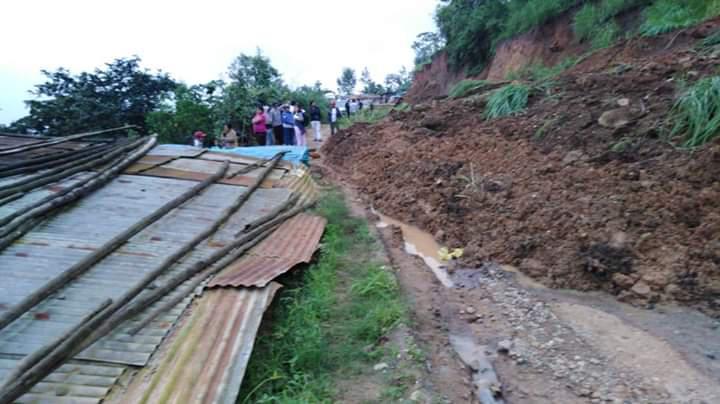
(299,238)
(174,150)
(72,383)
(65,239)
(74,232)
(206,361)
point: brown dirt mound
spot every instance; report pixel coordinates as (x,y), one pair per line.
(572,203)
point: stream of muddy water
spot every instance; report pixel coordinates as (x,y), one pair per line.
(420,244)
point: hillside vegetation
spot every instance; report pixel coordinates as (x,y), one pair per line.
(473,28)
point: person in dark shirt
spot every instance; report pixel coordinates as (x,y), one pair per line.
(315,117)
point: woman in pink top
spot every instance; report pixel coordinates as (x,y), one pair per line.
(259,126)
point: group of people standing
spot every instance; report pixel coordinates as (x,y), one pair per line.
(279,124)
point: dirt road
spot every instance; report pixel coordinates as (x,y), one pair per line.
(544,345)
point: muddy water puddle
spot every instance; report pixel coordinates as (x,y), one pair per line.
(420,244)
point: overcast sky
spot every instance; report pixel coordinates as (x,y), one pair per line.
(195,41)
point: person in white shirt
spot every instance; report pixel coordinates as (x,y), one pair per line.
(334,117)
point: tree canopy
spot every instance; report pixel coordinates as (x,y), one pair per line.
(347,81)
(121,93)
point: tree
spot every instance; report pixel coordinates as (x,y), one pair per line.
(347,81)
(426,45)
(369,85)
(398,83)
(192,110)
(122,93)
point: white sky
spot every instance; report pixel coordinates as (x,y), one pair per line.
(195,41)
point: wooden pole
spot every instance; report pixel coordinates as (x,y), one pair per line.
(32,166)
(63,171)
(270,215)
(103,251)
(62,197)
(55,141)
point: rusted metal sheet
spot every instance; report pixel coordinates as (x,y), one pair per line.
(167,172)
(294,242)
(207,359)
(247,160)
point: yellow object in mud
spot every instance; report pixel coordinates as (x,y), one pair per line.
(446,255)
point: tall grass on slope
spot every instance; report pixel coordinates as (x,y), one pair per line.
(668,15)
(594,21)
(697,113)
(506,101)
(465,87)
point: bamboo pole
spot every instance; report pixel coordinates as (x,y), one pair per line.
(31,166)
(63,198)
(45,143)
(89,333)
(63,171)
(270,215)
(103,251)
(96,328)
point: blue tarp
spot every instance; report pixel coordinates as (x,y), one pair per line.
(295,154)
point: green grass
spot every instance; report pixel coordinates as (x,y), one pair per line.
(696,114)
(506,101)
(711,41)
(323,319)
(465,87)
(365,116)
(605,36)
(594,22)
(668,15)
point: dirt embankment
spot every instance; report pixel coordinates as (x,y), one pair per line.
(571,202)
(548,44)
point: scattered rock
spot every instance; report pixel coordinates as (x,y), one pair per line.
(615,118)
(623,102)
(641,289)
(419,396)
(533,267)
(470,310)
(504,346)
(623,281)
(380,367)
(572,157)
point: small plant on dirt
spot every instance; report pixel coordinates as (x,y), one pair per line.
(668,15)
(697,113)
(507,101)
(466,87)
(622,145)
(403,107)
(711,41)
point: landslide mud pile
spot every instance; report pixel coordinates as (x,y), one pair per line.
(571,202)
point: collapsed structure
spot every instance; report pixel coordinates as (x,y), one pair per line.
(137,272)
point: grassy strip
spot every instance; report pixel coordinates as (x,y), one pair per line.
(668,15)
(365,116)
(465,87)
(323,319)
(697,113)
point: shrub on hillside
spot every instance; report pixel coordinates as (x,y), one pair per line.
(668,15)
(506,101)
(465,87)
(697,112)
